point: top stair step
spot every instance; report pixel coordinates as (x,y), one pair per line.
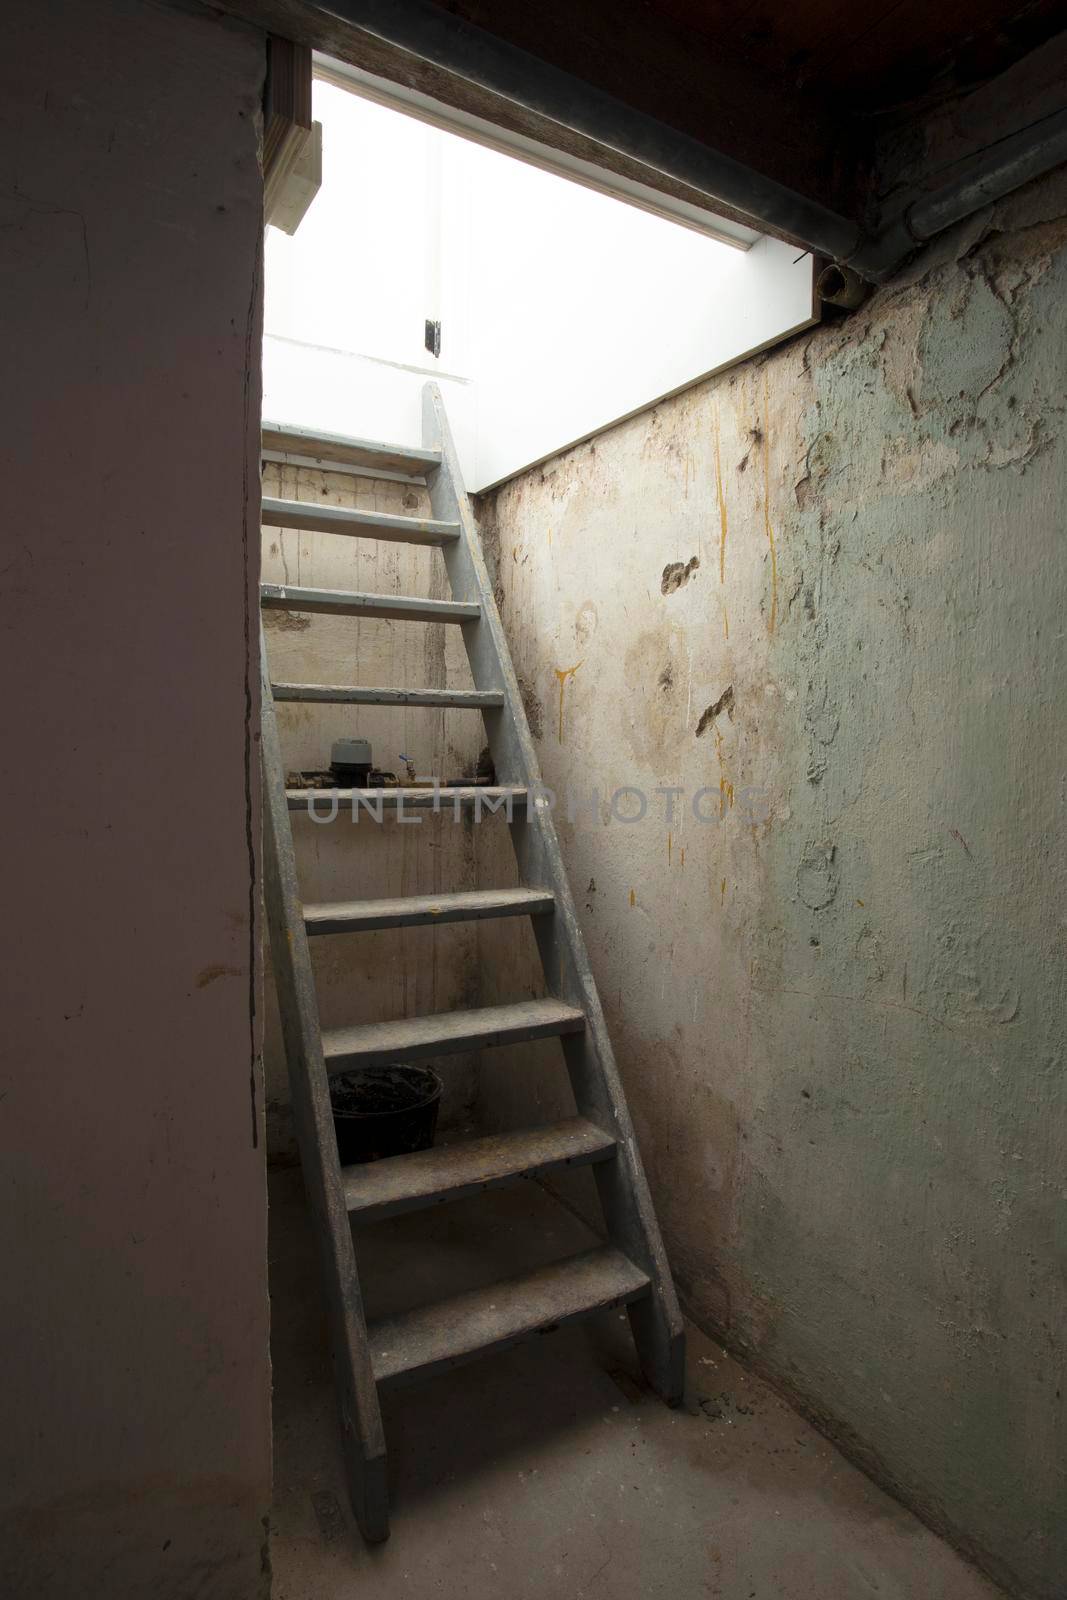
(356,524)
(401,458)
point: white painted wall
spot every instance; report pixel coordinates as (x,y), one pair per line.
(563,310)
(135,1451)
(348,294)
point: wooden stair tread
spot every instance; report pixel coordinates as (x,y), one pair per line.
(355,523)
(452,1331)
(491,796)
(400,607)
(443,1032)
(356,695)
(345,916)
(450,1172)
(401,458)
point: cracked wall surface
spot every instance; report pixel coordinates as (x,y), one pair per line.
(135,1453)
(822,595)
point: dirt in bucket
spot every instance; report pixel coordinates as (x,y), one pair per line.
(377,1091)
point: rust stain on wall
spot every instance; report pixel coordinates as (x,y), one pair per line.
(766,443)
(721,495)
(219,970)
(562,674)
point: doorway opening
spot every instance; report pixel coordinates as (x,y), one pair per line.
(544,312)
(547,299)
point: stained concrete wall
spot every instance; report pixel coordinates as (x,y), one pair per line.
(827,590)
(135,1452)
(373,977)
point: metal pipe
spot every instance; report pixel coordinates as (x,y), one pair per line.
(840,286)
(431,34)
(1005,166)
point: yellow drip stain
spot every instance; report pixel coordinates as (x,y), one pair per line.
(668,849)
(726,788)
(721,495)
(725,623)
(633,898)
(722,892)
(681,860)
(562,674)
(767,509)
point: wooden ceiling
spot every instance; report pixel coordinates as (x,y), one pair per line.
(798,89)
(830,98)
(881,57)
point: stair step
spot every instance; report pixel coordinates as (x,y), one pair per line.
(443,1335)
(451,1172)
(361,916)
(410,608)
(401,458)
(474,699)
(357,524)
(444,1032)
(491,798)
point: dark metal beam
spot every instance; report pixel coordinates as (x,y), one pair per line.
(423,30)
(419,42)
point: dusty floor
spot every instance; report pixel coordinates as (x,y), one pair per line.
(550,1470)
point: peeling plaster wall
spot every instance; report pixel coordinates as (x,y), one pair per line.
(135,1449)
(373,977)
(826,589)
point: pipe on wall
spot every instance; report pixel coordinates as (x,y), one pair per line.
(840,286)
(1005,166)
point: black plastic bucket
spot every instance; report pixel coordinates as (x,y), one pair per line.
(384,1111)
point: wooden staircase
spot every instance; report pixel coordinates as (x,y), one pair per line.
(631,1267)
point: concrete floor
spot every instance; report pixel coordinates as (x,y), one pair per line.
(550,1470)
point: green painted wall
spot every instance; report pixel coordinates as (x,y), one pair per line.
(837,575)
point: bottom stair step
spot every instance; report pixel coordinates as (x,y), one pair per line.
(449,1332)
(449,1172)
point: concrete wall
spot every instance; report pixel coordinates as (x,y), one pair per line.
(135,1452)
(373,977)
(836,576)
